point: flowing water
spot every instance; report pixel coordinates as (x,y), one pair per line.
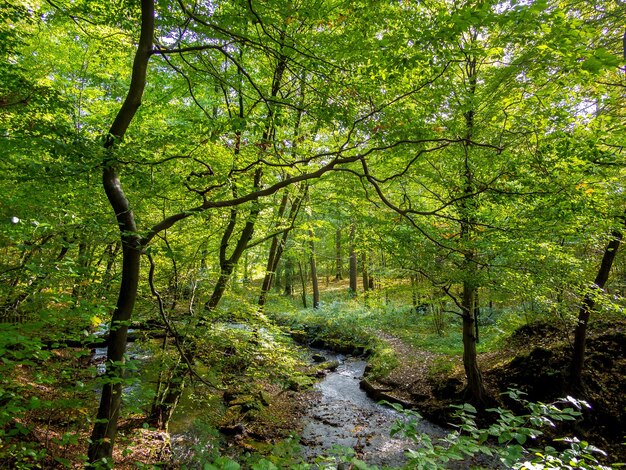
(344,415)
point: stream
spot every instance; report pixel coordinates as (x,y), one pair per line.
(339,414)
(343,414)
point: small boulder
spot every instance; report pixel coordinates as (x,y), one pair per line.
(317,358)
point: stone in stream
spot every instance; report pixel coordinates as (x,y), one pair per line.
(318,358)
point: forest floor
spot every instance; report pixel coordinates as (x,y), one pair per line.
(534,360)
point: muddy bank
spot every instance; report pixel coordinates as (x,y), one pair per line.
(542,372)
(534,360)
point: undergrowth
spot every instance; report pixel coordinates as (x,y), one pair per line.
(345,323)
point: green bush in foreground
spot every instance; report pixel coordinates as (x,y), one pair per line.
(504,442)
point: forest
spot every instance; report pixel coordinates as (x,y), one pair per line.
(312,234)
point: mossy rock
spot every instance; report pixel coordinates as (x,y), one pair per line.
(233,416)
(247,402)
(299,382)
(264,398)
(328,365)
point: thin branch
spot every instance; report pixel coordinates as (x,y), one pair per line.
(181,50)
(170,328)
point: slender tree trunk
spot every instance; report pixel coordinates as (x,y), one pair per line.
(278,276)
(246,268)
(338,257)
(220,286)
(475,390)
(277,248)
(353,265)
(588,304)
(366,280)
(227,265)
(303,282)
(272,262)
(288,277)
(314,280)
(105,427)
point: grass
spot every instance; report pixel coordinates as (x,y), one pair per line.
(357,320)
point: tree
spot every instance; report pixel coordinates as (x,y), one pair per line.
(588,304)
(466,167)
(134,241)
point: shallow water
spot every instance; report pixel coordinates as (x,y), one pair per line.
(344,415)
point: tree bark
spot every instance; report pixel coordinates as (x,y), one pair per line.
(288,277)
(475,390)
(353,265)
(227,265)
(314,280)
(588,304)
(272,262)
(105,427)
(303,282)
(366,280)
(277,248)
(338,257)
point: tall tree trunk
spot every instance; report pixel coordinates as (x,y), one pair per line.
(588,304)
(288,277)
(353,265)
(476,317)
(303,282)
(338,257)
(278,246)
(227,265)
(314,280)
(246,268)
(366,279)
(278,275)
(475,389)
(272,262)
(105,427)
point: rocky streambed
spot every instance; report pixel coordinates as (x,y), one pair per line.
(342,414)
